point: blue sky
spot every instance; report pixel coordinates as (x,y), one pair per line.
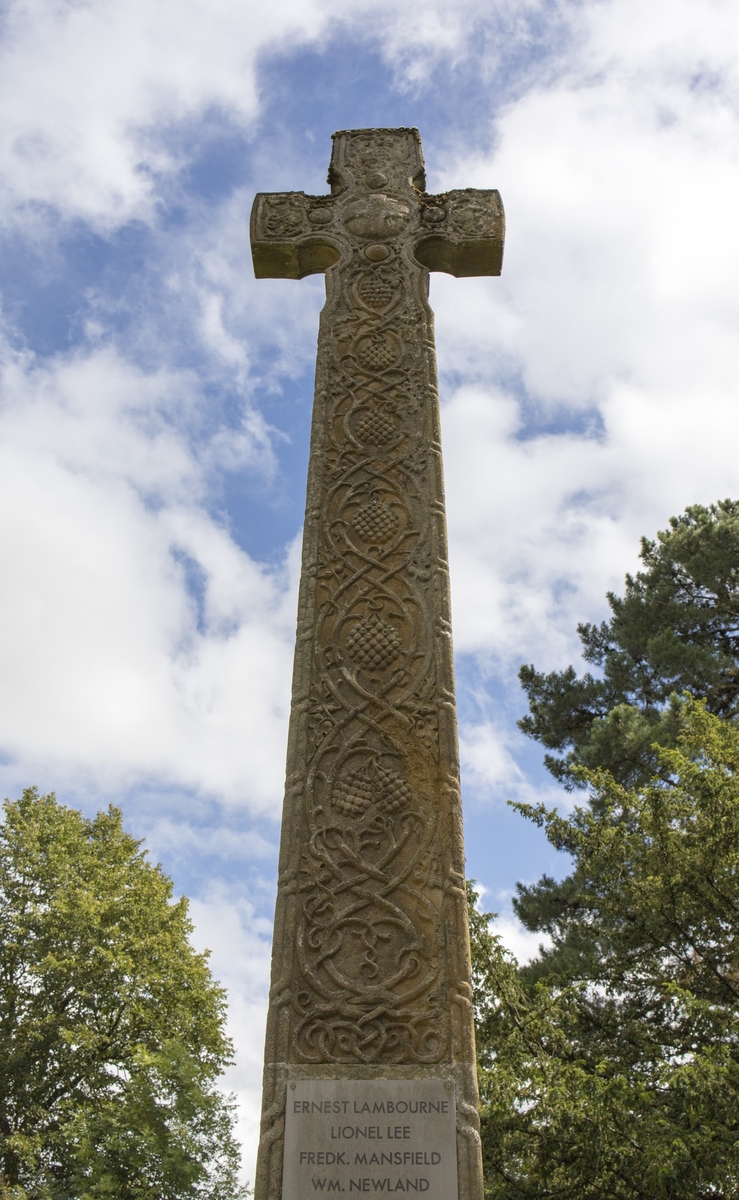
(156,399)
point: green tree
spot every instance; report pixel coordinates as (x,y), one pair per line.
(612,1069)
(111,1026)
(675,630)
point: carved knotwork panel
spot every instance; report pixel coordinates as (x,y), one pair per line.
(476,214)
(382,160)
(282,215)
(370,953)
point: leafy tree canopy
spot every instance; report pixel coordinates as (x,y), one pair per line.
(610,1068)
(675,630)
(111,1026)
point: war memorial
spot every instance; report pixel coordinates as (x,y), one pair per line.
(369,1078)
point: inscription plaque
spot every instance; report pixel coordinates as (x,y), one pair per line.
(380,1136)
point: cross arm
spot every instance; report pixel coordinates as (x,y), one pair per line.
(291,235)
(464,232)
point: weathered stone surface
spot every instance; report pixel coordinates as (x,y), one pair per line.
(370,972)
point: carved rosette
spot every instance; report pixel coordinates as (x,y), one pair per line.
(371,954)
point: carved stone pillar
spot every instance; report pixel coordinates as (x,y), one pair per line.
(370,970)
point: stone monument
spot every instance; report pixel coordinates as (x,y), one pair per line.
(369,1080)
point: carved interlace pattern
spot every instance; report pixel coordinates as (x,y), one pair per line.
(367,974)
(473,216)
(370,939)
(285,217)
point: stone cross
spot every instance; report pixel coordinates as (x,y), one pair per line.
(370,967)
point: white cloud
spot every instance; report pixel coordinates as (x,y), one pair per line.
(90,91)
(490,769)
(108,665)
(486,758)
(618,302)
(524,554)
(240,946)
(523,945)
(238,317)
(182,838)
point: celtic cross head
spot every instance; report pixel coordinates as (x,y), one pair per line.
(378,209)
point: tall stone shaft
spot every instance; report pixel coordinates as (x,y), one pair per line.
(370,967)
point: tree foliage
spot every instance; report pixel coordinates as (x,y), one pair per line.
(610,1068)
(111,1026)
(609,1065)
(675,630)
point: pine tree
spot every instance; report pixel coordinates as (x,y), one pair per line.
(610,1067)
(674,631)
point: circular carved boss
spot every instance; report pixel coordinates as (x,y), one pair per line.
(376,217)
(320,216)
